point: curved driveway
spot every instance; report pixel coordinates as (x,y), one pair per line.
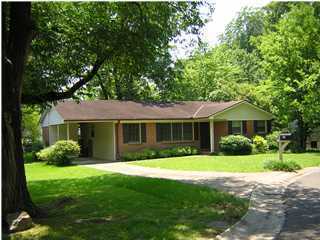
(240,184)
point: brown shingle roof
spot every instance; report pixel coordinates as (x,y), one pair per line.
(131,110)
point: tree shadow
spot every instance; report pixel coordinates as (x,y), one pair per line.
(302,204)
(138,208)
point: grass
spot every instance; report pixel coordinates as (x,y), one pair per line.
(137,208)
(247,163)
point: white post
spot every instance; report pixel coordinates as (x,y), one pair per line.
(211,135)
(58,133)
(282,146)
(68,134)
(114,141)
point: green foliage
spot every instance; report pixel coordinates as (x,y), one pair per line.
(162,153)
(31,134)
(272,140)
(30,157)
(248,23)
(128,43)
(291,61)
(260,145)
(61,153)
(235,145)
(286,166)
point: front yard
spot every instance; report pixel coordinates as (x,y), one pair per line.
(134,207)
(247,163)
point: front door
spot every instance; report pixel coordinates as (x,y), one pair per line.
(205,136)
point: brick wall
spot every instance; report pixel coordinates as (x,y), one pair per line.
(151,141)
(250,129)
(220,130)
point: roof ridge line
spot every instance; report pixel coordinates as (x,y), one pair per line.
(198,110)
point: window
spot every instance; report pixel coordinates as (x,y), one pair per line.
(168,132)
(236,127)
(187,131)
(314,144)
(134,133)
(260,126)
(176,131)
(163,132)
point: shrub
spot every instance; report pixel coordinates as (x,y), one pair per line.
(235,145)
(286,166)
(163,153)
(30,157)
(260,145)
(61,153)
(272,140)
(32,146)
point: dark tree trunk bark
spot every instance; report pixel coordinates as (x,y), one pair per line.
(17,33)
(301,135)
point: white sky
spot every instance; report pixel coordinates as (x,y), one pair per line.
(225,11)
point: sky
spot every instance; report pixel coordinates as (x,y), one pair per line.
(225,11)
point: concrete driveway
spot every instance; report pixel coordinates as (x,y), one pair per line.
(240,184)
(302,204)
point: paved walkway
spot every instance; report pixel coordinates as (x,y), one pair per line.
(240,184)
(302,204)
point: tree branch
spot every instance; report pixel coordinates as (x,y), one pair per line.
(55,96)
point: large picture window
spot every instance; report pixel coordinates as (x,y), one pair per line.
(134,133)
(174,132)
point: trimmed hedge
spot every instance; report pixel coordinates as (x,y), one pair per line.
(61,153)
(260,145)
(235,145)
(163,153)
(286,166)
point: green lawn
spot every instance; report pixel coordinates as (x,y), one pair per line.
(137,208)
(248,163)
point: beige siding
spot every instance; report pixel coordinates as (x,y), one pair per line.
(103,144)
(244,111)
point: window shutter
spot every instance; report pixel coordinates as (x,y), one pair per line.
(269,126)
(244,127)
(255,126)
(229,127)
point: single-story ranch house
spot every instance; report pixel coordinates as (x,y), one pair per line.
(106,129)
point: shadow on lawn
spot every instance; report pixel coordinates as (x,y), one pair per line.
(138,208)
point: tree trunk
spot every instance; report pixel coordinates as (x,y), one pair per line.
(301,135)
(17,33)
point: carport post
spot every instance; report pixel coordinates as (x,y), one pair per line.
(211,135)
(68,134)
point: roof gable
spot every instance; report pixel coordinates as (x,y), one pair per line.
(243,111)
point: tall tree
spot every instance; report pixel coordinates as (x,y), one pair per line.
(17,35)
(291,61)
(72,41)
